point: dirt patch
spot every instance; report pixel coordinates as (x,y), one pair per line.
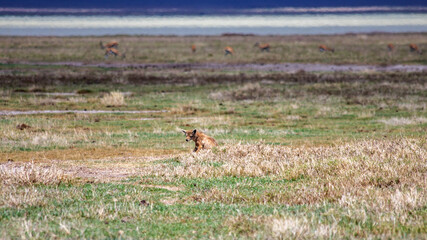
(111,169)
(98,174)
(95,164)
(122,155)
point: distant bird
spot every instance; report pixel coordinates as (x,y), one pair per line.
(390,47)
(193,48)
(113,44)
(263,46)
(228,50)
(414,48)
(113,51)
(324,48)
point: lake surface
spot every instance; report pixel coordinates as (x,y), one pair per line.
(284,24)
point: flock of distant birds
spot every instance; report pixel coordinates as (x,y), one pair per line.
(111,48)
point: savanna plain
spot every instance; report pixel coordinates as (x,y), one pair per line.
(301,155)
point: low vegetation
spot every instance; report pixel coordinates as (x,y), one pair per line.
(353,190)
(301,155)
(113,99)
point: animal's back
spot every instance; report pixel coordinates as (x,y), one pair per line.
(207,141)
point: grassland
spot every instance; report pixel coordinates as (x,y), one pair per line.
(302,155)
(349,49)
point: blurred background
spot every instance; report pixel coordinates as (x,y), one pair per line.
(82,18)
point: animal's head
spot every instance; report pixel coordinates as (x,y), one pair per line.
(190,134)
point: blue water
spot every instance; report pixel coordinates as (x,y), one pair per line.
(285,24)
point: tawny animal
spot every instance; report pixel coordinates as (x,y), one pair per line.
(414,48)
(228,50)
(113,44)
(390,47)
(324,48)
(263,46)
(202,140)
(114,52)
(193,48)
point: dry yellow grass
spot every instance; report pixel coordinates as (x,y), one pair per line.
(359,169)
(30,174)
(398,121)
(372,181)
(113,99)
(301,228)
(62,155)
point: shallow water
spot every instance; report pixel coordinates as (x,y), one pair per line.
(62,25)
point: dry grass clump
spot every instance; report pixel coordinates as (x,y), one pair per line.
(399,121)
(30,174)
(113,99)
(15,197)
(249,91)
(315,174)
(301,228)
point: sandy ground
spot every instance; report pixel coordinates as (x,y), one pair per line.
(282,67)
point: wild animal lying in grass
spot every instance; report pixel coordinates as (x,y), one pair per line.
(202,140)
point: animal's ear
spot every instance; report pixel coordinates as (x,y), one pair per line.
(184,131)
(194,131)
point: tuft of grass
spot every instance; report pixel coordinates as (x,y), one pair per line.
(30,174)
(113,99)
(301,228)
